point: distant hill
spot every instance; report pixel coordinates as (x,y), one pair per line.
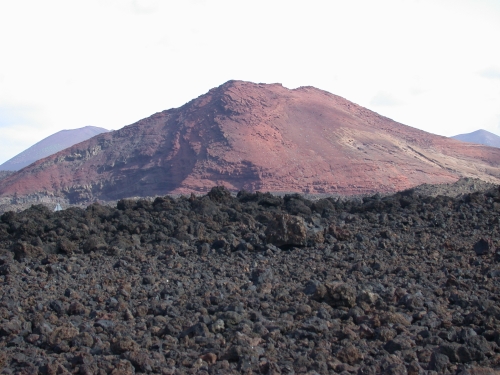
(50,145)
(481,137)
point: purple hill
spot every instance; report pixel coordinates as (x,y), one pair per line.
(50,145)
(481,137)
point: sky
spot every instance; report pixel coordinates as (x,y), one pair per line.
(430,64)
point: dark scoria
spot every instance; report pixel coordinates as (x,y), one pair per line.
(404,284)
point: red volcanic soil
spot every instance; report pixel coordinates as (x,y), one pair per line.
(256,137)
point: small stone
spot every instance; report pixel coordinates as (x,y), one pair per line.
(76,308)
(210,358)
(124,344)
(218,326)
(287,230)
(350,355)
(148,280)
(399,343)
(10,328)
(105,324)
(439,362)
(483,246)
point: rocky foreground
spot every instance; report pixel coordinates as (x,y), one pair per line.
(404,284)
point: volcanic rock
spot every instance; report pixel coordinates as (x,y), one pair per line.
(414,289)
(254,137)
(286,230)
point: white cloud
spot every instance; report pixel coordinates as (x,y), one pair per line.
(491,72)
(145,6)
(382,99)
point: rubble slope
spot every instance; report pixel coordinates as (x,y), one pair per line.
(257,283)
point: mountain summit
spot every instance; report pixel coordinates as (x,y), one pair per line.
(255,137)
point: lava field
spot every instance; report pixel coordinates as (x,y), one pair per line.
(254,284)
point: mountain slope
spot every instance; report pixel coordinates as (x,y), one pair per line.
(4,174)
(481,137)
(50,145)
(255,137)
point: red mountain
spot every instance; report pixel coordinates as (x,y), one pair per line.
(255,137)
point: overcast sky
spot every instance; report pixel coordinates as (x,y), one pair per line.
(430,64)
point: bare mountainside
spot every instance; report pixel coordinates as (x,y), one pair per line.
(4,174)
(255,137)
(50,145)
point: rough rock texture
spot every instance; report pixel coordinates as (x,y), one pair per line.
(4,174)
(456,189)
(402,284)
(255,137)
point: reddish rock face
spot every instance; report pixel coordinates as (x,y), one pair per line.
(256,137)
